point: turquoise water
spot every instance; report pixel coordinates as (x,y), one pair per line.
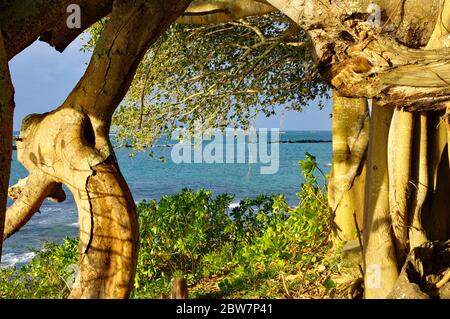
(151,179)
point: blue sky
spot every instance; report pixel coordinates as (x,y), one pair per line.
(44,77)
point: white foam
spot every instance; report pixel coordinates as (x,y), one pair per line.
(74,225)
(11,259)
(233,205)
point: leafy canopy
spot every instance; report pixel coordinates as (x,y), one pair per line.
(219,75)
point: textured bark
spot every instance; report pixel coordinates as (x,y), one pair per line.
(379,251)
(360,61)
(439,212)
(28,195)
(417,235)
(24,21)
(6,133)
(425,274)
(71,146)
(347,179)
(214,12)
(435,218)
(179,289)
(400,154)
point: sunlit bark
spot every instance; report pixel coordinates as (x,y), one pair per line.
(379,250)
(70,145)
(346,185)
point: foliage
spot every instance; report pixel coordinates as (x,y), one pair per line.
(45,276)
(179,230)
(217,76)
(223,253)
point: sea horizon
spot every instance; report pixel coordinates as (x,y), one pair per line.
(149,178)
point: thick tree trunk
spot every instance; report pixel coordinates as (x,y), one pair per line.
(435,215)
(347,180)
(420,162)
(108,235)
(71,146)
(6,133)
(379,250)
(407,177)
(400,154)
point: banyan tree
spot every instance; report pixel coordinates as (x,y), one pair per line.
(391,95)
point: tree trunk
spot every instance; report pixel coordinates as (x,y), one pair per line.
(71,146)
(347,180)
(417,235)
(379,251)
(6,133)
(400,154)
(408,171)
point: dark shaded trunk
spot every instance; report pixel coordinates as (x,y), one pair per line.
(23,21)
(6,133)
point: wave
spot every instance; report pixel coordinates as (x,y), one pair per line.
(73,225)
(11,259)
(233,205)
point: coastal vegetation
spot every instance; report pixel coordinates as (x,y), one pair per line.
(390,77)
(261,248)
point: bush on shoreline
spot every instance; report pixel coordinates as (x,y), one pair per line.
(260,249)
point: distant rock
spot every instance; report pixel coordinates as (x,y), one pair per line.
(302,142)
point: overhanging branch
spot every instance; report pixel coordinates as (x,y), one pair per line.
(360,61)
(215,11)
(24,21)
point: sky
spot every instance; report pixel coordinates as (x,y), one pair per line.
(43,78)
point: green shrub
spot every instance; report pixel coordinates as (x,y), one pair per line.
(222,253)
(45,276)
(179,230)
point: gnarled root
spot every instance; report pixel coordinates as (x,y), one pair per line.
(424,273)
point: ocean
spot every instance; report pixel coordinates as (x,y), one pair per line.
(150,178)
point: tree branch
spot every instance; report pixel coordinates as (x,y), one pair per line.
(24,21)
(360,61)
(31,194)
(214,11)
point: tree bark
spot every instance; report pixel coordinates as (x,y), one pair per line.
(6,133)
(435,217)
(417,235)
(215,12)
(347,179)
(379,251)
(24,21)
(400,154)
(360,61)
(70,145)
